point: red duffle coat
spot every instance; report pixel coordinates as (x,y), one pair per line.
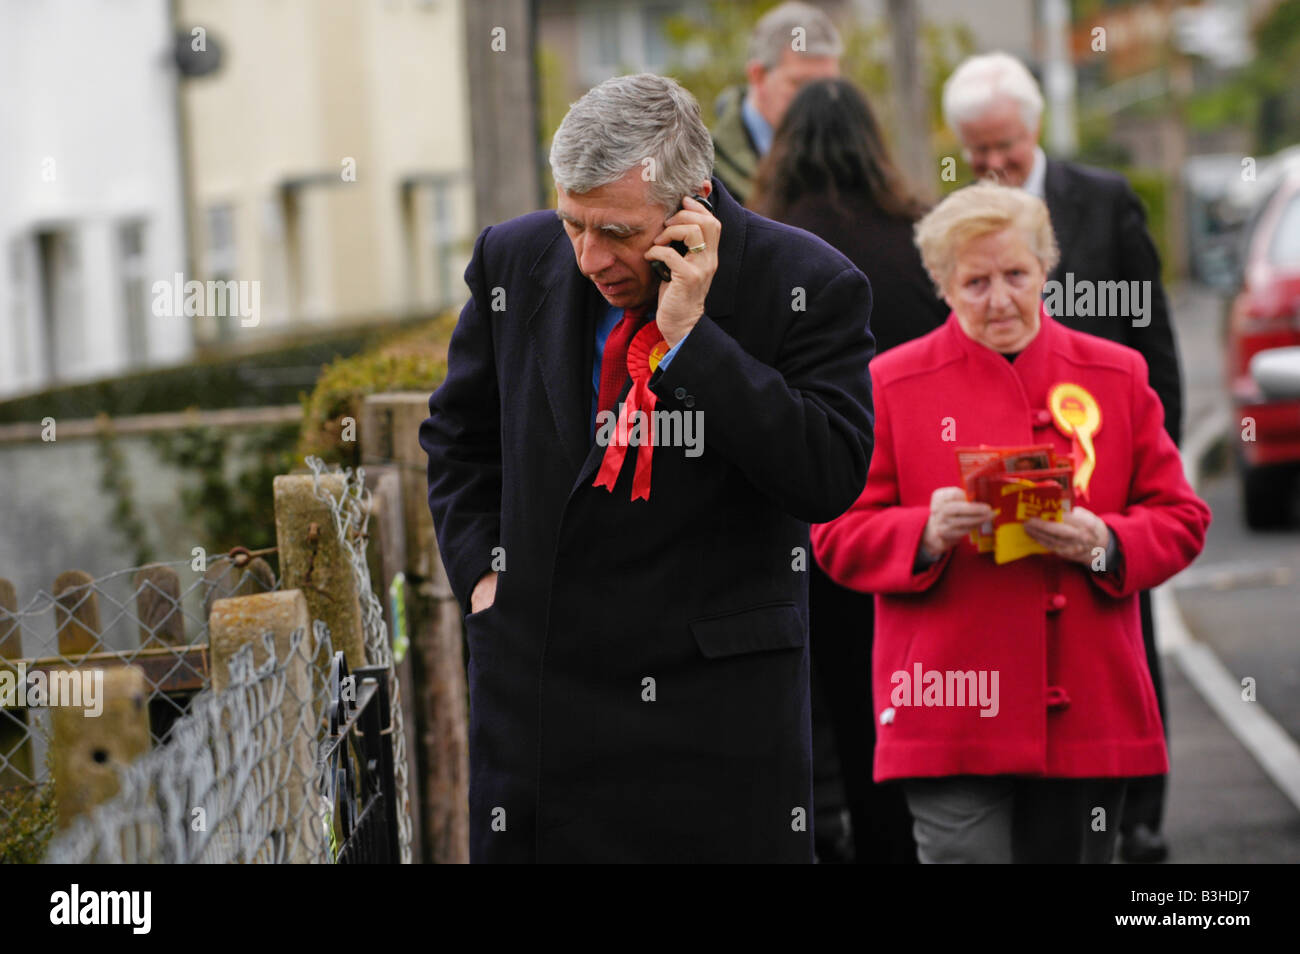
(1075,697)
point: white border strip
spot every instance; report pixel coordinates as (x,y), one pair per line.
(1274,750)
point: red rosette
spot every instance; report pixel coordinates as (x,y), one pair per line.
(639,398)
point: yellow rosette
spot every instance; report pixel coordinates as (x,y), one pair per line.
(657,354)
(1077,416)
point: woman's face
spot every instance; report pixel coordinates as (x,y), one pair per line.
(995,289)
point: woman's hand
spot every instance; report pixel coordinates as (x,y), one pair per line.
(952,517)
(1078,537)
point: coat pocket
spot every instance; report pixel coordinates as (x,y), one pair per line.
(476,626)
(758,629)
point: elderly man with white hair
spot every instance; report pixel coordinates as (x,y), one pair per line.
(792,44)
(638,633)
(1107,283)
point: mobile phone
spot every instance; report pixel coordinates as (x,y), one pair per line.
(663,271)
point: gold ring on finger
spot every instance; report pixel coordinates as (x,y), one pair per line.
(698,248)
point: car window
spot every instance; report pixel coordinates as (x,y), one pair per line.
(1284,249)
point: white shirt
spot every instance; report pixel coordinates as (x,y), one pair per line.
(1035,184)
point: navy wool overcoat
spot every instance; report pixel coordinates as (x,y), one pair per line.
(639,688)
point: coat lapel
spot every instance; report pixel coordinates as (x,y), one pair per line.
(1063,207)
(561,330)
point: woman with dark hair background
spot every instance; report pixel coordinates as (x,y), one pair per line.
(829,172)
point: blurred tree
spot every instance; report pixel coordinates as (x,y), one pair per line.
(1264,94)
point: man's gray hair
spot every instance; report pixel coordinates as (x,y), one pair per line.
(775,33)
(981,81)
(644,121)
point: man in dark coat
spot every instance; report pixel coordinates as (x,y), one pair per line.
(639,663)
(994,106)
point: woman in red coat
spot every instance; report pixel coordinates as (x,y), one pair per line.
(1014,698)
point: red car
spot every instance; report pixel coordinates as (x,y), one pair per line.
(1263,328)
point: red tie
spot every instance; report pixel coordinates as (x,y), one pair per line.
(613,363)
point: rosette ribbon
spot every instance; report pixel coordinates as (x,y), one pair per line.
(643,356)
(1077,416)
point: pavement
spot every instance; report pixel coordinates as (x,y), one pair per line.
(1234,784)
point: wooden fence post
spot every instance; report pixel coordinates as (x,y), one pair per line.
(76,613)
(390,434)
(314,560)
(387,557)
(158,605)
(89,751)
(240,620)
(11,637)
(15,752)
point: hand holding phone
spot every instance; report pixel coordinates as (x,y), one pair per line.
(687,275)
(662,270)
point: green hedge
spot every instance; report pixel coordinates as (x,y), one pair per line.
(412,361)
(1153,189)
(260,379)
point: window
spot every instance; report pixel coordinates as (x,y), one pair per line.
(19,297)
(61,287)
(219,266)
(614,38)
(275,259)
(657,53)
(135,298)
(221,240)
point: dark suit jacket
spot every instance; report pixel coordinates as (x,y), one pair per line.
(702,588)
(904,303)
(1101,228)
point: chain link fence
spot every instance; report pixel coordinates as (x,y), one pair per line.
(351,513)
(153,618)
(237,780)
(235,776)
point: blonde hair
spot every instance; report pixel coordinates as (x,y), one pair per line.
(982,209)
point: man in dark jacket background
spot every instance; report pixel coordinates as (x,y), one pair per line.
(791,45)
(638,661)
(993,104)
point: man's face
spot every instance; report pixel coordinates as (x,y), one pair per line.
(611,227)
(998,145)
(774,89)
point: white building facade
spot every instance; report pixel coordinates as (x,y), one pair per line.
(91,194)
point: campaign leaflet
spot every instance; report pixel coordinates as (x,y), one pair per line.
(1018,483)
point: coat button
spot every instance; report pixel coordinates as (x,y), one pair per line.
(1056,602)
(689,400)
(1042,418)
(887,716)
(679,393)
(1057,698)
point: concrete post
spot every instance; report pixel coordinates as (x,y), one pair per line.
(240,620)
(314,560)
(89,752)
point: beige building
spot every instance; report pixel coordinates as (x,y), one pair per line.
(328,158)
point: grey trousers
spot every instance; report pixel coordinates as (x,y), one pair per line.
(1000,819)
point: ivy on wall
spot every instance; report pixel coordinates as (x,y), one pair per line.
(115,481)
